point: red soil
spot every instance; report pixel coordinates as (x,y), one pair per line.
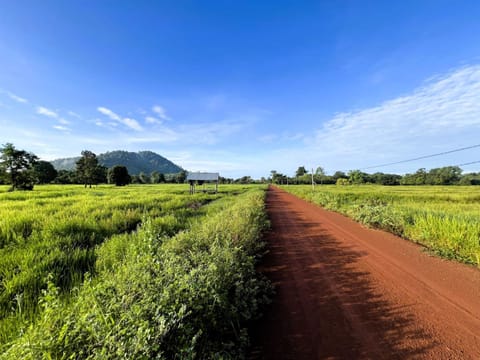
(347,292)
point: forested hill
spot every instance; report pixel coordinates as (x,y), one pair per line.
(143,161)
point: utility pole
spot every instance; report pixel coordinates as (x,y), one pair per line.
(313,182)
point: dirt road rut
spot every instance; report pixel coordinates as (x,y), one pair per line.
(347,292)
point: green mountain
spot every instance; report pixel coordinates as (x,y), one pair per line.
(143,161)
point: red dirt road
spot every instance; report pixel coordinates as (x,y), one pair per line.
(347,292)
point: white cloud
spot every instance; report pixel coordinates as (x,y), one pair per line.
(47,112)
(212,133)
(61,128)
(161,135)
(196,134)
(63,121)
(152,120)
(161,113)
(109,113)
(16,97)
(441,115)
(74,114)
(268,138)
(131,123)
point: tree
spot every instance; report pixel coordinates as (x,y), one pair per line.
(418,178)
(339,175)
(447,175)
(273,175)
(244,180)
(88,170)
(181,177)
(44,172)
(223,180)
(470,179)
(357,177)
(119,175)
(135,179)
(155,177)
(66,177)
(321,177)
(17,167)
(161,178)
(385,179)
(301,171)
(320,171)
(100,175)
(144,178)
(278,178)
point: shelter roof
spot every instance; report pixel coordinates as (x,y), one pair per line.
(202,176)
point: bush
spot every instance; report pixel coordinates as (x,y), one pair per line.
(378,214)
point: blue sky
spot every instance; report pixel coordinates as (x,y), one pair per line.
(244,87)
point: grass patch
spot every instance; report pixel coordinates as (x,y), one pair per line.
(446,219)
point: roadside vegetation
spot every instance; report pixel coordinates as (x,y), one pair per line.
(129,272)
(446,219)
(447,175)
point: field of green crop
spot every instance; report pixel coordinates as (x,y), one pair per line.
(132,272)
(446,219)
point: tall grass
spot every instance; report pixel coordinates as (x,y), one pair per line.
(56,230)
(160,293)
(446,219)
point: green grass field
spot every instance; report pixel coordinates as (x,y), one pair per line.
(67,253)
(150,271)
(446,219)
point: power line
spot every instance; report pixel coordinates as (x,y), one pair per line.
(426,157)
(469,163)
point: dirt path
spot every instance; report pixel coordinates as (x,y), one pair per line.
(347,292)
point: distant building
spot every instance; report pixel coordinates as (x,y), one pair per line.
(202,178)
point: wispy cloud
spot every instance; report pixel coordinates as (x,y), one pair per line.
(74,114)
(63,121)
(443,113)
(161,113)
(226,163)
(61,128)
(268,138)
(192,134)
(109,113)
(131,123)
(16,97)
(211,133)
(152,120)
(283,137)
(161,135)
(46,112)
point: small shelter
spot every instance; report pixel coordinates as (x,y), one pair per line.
(201,178)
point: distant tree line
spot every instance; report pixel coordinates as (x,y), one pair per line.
(448,175)
(22,170)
